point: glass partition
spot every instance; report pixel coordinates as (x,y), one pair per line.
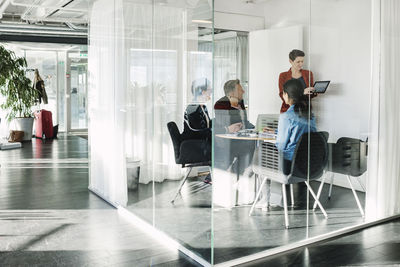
(287,93)
(78,94)
(168,68)
(61,71)
(249,173)
(339,56)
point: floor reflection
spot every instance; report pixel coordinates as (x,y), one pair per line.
(235,233)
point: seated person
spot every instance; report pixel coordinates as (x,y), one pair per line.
(197,125)
(201,90)
(294,122)
(230,117)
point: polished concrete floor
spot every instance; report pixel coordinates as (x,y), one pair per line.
(375,246)
(48,218)
(191,220)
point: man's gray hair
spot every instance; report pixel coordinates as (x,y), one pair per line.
(230,85)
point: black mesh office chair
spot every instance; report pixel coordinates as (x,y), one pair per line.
(305,167)
(348,157)
(190,152)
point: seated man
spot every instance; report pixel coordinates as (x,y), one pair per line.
(230,117)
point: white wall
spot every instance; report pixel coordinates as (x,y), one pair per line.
(267,58)
(338,49)
(239,7)
(238,15)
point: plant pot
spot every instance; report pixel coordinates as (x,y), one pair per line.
(26,125)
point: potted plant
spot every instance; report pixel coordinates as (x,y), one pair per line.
(19,94)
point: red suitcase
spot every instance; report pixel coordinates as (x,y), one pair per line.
(44,124)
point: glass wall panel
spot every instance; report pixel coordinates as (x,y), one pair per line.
(61,61)
(107,98)
(339,52)
(139,106)
(325,138)
(250,149)
(280,141)
(383,184)
(181,205)
(169,67)
(78,94)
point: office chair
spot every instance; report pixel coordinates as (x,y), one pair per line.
(305,167)
(266,157)
(348,157)
(190,153)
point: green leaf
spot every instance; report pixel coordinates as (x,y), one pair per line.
(15,86)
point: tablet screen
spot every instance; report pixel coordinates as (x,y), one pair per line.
(321,86)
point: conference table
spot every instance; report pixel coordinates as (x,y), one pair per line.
(248,136)
(270,138)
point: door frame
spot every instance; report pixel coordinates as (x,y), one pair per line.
(68,91)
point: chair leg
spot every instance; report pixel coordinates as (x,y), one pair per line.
(285,208)
(257,182)
(361,184)
(355,196)
(258,195)
(320,190)
(236,161)
(268,192)
(255,186)
(180,186)
(291,195)
(330,187)
(316,199)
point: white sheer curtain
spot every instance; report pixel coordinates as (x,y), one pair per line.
(106,97)
(154,74)
(383,183)
(225,61)
(230,60)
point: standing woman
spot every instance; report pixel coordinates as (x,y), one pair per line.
(38,84)
(296,59)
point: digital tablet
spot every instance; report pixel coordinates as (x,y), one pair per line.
(321,86)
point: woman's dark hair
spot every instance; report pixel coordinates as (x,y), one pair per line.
(295,53)
(294,89)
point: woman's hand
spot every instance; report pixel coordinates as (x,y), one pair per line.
(309,90)
(268,130)
(233,128)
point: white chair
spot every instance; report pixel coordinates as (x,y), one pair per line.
(305,167)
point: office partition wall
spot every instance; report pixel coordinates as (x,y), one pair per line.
(382,199)
(147,62)
(337,55)
(106,103)
(282,175)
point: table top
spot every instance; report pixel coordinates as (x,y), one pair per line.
(252,137)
